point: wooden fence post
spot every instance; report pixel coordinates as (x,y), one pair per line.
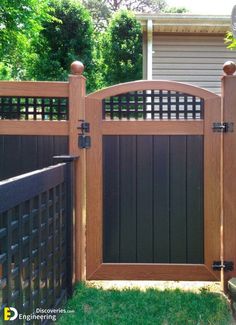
(229,169)
(77,92)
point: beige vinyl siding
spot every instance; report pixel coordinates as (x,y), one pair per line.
(190,59)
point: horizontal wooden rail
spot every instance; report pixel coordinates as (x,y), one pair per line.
(135,271)
(14,127)
(174,127)
(34,89)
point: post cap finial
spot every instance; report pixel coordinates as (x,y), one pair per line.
(77,68)
(229,68)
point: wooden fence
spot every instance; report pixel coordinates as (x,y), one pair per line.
(37,121)
(57,109)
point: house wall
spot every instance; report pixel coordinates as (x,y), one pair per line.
(195,59)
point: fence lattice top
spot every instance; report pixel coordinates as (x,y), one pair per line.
(153,105)
(33,108)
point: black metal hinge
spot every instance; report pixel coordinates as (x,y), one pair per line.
(226,266)
(223,127)
(84,141)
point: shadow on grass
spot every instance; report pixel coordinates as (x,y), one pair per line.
(95,306)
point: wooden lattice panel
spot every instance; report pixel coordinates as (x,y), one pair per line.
(33,108)
(153,105)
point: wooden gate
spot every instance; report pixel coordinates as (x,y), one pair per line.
(153,182)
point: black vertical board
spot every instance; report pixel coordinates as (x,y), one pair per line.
(178,243)
(161,201)
(45,151)
(60,145)
(11,156)
(21,154)
(195,220)
(144,199)
(28,154)
(128,199)
(1,156)
(111,199)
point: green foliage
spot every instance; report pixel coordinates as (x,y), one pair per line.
(102,10)
(122,49)
(99,11)
(175,10)
(5,72)
(20,23)
(133,306)
(230,41)
(67,38)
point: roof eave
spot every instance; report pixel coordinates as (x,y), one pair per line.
(186,23)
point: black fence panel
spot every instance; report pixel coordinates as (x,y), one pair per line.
(22,154)
(36,247)
(153,199)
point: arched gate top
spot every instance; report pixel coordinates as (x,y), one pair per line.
(153,85)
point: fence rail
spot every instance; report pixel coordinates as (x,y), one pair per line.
(36,239)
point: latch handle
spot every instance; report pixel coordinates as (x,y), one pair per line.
(84,127)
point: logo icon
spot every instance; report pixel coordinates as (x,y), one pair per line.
(10,313)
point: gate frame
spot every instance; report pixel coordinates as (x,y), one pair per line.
(95,268)
(228,86)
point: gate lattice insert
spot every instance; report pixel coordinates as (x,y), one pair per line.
(154,105)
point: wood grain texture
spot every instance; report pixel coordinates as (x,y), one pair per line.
(76,113)
(194,207)
(94,183)
(111,199)
(229,172)
(161,199)
(10,127)
(172,127)
(153,199)
(154,84)
(178,245)
(128,199)
(34,89)
(175,272)
(212,186)
(144,188)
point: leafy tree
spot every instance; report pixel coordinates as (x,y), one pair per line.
(122,49)
(137,6)
(20,23)
(102,10)
(175,10)
(68,38)
(99,11)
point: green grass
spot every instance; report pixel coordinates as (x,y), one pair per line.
(95,306)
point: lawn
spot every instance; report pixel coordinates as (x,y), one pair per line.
(132,306)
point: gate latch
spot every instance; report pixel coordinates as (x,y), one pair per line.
(226,266)
(84,141)
(223,127)
(84,127)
